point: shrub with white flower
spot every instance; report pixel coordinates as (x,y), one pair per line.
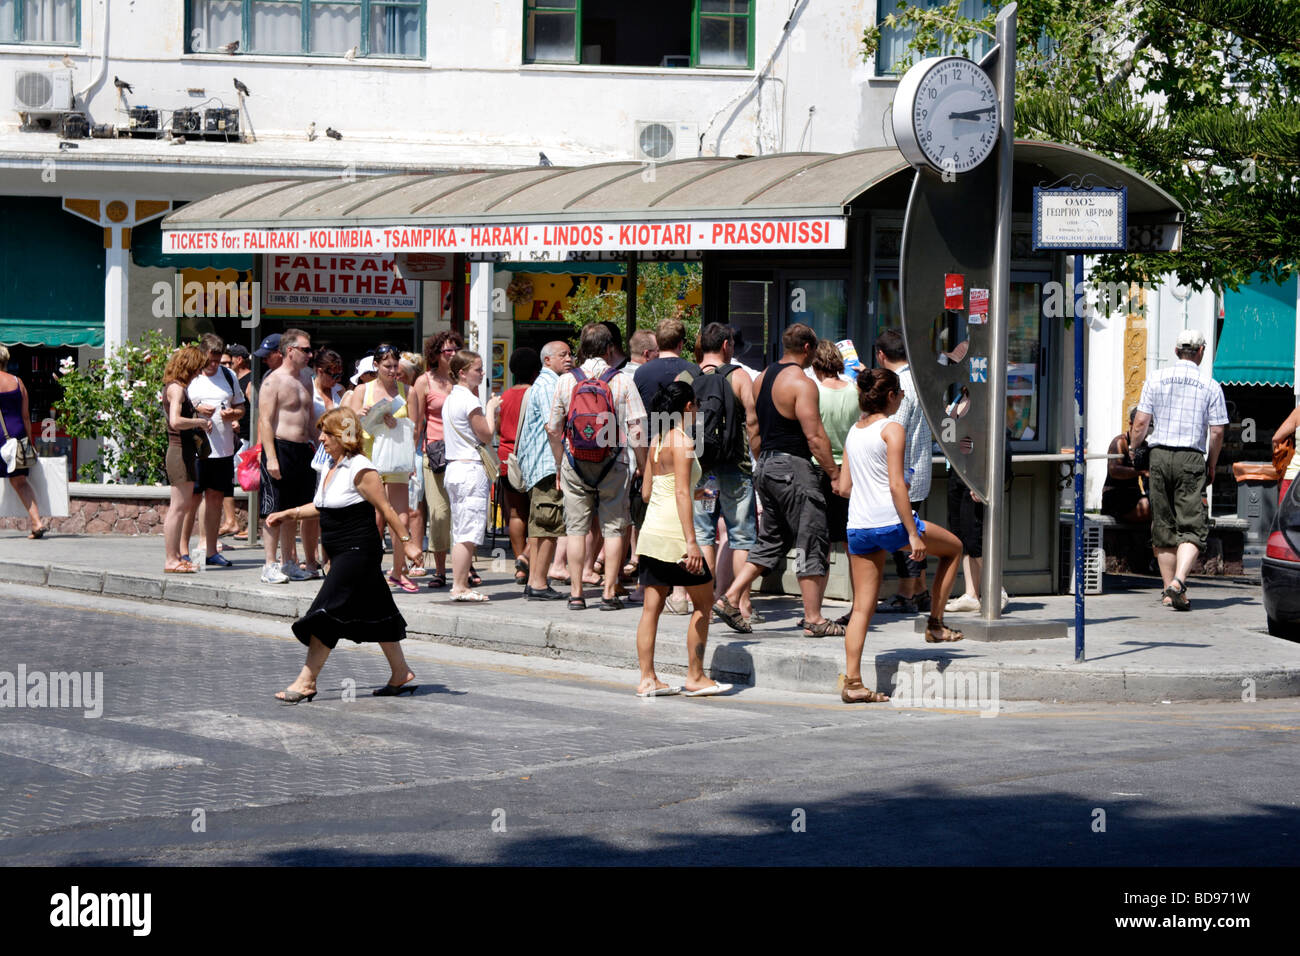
(119,402)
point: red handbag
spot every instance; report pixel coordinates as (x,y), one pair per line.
(250,468)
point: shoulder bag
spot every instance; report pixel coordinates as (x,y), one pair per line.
(17,453)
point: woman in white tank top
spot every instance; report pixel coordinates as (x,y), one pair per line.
(881,521)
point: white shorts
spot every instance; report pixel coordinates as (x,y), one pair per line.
(468,490)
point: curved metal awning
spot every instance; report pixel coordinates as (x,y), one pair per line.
(786,200)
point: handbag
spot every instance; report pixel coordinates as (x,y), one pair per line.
(17,453)
(515,474)
(491,463)
(1282,453)
(393,450)
(435,453)
(249,472)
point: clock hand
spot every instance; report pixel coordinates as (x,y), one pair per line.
(970,114)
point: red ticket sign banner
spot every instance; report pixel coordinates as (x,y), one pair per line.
(552,241)
(337,282)
(954,291)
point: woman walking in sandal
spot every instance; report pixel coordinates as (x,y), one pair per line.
(881,521)
(668,554)
(353,601)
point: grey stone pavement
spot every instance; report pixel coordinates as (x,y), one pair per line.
(502,759)
(1137,651)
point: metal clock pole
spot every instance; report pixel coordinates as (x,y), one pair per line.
(999,305)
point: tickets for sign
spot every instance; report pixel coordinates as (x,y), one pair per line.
(525,241)
(337,282)
(954,291)
(979,307)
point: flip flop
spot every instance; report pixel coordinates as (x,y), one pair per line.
(38,533)
(669,691)
(712,691)
(406,586)
(185,567)
(471,596)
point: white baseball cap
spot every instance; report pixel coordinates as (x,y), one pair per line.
(365,366)
(1190,339)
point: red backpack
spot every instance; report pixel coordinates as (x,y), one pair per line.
(592,424)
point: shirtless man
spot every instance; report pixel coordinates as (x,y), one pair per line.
(788,436)
(287,433)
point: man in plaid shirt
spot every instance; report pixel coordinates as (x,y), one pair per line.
(1184,406)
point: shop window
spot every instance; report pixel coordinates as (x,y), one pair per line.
(894,40)
(749,307)
(821,304)
(40,21)
(667,33)
(387,28)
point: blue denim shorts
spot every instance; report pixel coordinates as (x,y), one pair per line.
(735,505)
(863,541)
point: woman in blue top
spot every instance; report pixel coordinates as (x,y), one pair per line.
(881,521)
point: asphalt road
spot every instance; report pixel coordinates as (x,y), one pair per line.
(514,760)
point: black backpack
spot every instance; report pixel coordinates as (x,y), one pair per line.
(722,420)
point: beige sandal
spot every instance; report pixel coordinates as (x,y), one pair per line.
(855,692)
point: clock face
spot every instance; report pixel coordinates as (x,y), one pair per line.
(946,114)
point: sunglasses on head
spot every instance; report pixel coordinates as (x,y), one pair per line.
(386,350)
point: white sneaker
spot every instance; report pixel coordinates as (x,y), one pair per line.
(293,571)
(1005,600)
(965,602)
(271,574)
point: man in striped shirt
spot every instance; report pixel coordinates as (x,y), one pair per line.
(1185,406)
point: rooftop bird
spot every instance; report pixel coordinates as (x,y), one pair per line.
(122,85)
(241,89)
(311,132)
(178,140)
(230,48)
(332,133)
(542,160)
(352,54)
(67,61)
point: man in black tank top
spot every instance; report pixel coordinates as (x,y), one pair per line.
(790,435)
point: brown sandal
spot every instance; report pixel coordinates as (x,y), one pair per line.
(936,632)
(826,628)
(731,616)
(855,692)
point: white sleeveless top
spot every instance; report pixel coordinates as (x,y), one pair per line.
(867,458)
(342,490)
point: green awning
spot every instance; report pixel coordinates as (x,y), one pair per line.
(1257,344)
(51,333)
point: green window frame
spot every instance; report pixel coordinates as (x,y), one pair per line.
(729,21)
(374,15)
(17,28)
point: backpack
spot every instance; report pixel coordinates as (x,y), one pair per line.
(721,420)
(592,420)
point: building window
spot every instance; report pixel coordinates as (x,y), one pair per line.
(388,28)
(893,40)
(40,21)
(665,33)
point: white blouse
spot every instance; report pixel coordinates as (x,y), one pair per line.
(342,490)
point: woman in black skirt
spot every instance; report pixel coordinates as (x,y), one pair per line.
(668,554)
(354,601)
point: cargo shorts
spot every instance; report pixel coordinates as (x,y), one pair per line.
(1177,490)
(794,515)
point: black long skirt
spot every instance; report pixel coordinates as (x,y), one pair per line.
(354,601)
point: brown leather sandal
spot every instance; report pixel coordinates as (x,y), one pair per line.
(936,632)
(826,628)
(855,692)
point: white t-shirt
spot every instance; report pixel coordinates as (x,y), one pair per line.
(217,390)
(342,490)
(867,458)
(456,429)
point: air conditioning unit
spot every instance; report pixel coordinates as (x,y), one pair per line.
(42,91)
(658,141)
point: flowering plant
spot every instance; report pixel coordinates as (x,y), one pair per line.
(118,400)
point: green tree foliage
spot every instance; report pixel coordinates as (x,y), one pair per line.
(119,401)
(1200,96)
(661,292)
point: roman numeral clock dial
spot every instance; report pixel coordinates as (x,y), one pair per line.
(946,114)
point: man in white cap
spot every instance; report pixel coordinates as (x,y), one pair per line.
(1185,406)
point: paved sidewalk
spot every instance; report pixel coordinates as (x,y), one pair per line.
(1137,650)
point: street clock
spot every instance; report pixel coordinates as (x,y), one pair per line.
(946,114)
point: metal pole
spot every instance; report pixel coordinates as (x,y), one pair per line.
(1079,463)
(629,286)
(999,296)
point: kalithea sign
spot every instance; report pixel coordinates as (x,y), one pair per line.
(1084,219)
(555,239)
